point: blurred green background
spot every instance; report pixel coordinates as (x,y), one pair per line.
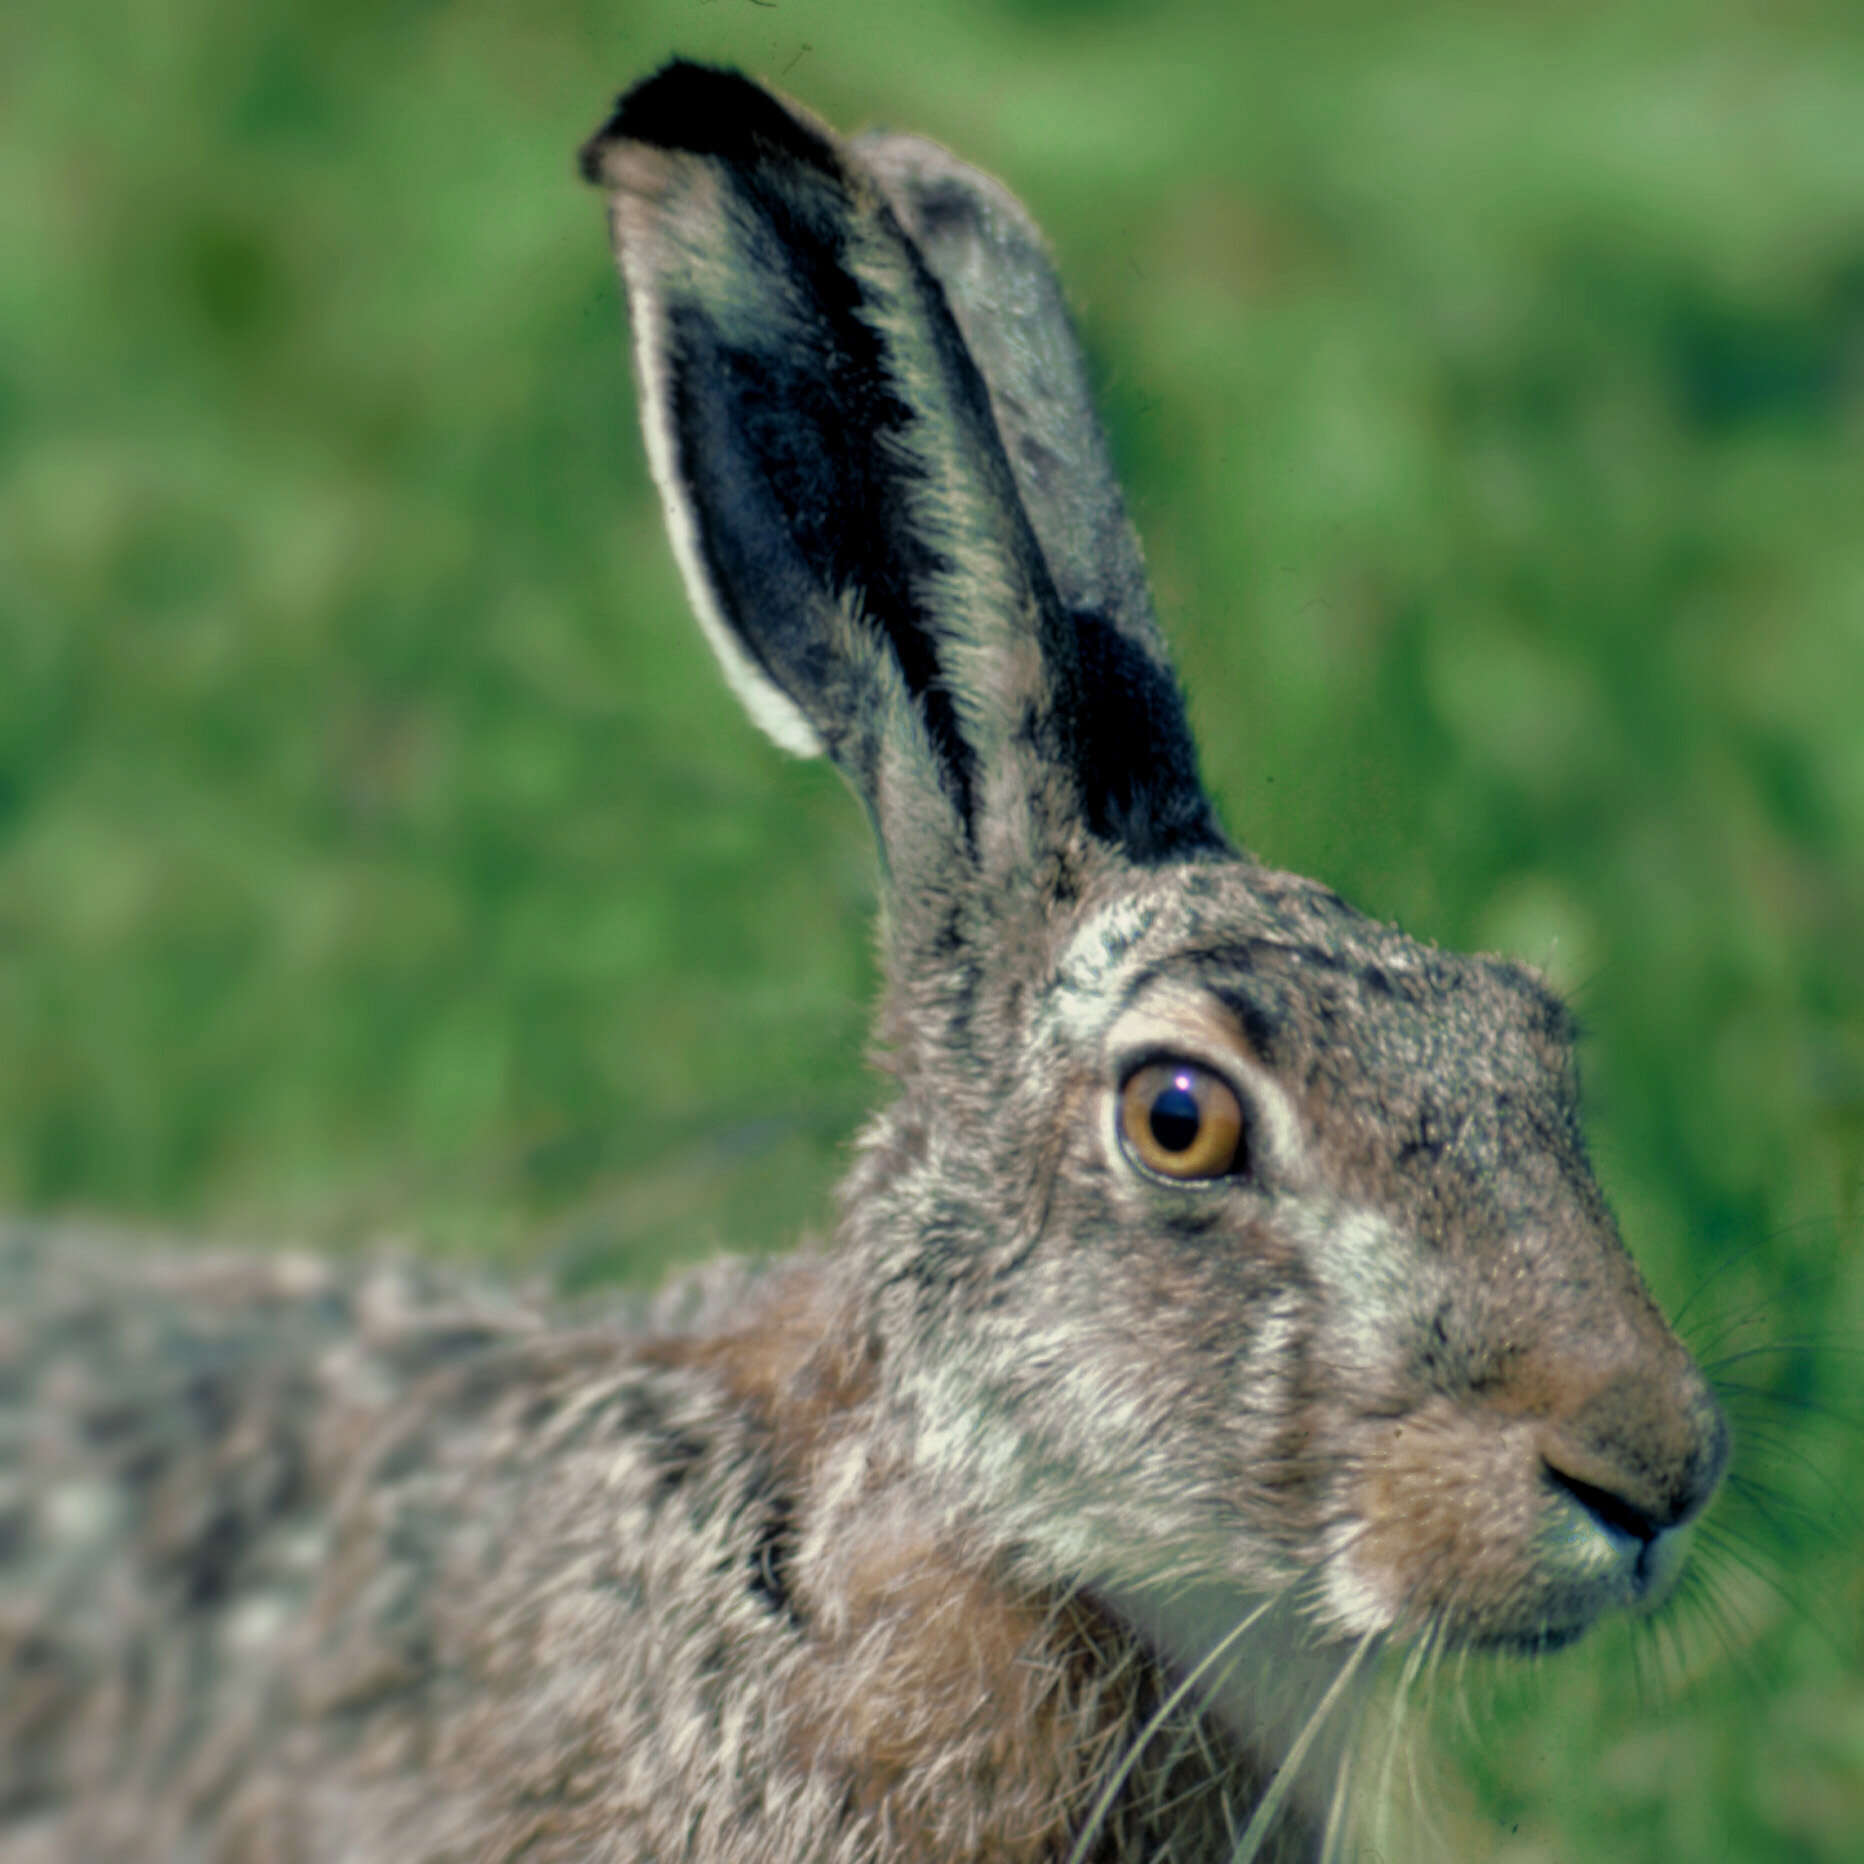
(380,853)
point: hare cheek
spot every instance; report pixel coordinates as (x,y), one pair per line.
(1374,1280)
(1436,1522)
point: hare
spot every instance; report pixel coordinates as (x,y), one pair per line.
(1222,1296)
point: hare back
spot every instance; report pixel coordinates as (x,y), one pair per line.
(302,1564)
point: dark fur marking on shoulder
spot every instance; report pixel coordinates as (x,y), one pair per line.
(207,1573)
(771,1554)
(951,937)
(672,1452)
(676,1454)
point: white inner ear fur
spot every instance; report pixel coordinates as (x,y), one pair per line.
(770,707)
(1181,1019)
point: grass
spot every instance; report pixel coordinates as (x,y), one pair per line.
(379,851)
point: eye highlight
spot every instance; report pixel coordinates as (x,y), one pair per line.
(1179,1120)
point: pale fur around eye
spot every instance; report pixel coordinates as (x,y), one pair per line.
(1180,1120)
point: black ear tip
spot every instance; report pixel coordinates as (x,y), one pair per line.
(661,110)
(703,110)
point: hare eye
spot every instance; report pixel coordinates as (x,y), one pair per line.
(1181,1121)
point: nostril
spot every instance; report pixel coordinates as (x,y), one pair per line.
(1641,1457)
(1612,1510)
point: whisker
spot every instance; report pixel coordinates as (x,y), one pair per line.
(1811,1345)
(1333,1836)
(1768,1244)
(1741,1550)
(1413,1665)
(1791,1522)
(1440,1647)
(1270,1804)
(1733,1633)
(1103,1802)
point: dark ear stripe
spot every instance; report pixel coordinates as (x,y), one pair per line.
(783,521)
(994,268)
(1140,787)
(1140,783)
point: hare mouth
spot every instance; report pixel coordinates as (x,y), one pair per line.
(1459,1529)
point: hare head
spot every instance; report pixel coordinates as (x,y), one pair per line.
(1220,1243)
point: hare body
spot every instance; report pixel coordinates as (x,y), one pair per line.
(388,1569)
(1223,1293)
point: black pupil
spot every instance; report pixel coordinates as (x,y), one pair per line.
(1174,1118)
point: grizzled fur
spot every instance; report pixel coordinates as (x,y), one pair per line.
(1051,1514)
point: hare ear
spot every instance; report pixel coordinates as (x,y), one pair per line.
(848,524)
(979,242)
(981,245)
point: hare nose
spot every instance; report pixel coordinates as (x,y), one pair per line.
(1638,1458)
(1611,1510)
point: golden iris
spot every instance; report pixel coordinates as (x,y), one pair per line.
(1180,1120)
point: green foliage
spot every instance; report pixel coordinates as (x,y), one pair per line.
(379,850)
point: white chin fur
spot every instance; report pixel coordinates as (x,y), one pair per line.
(1268,1684)
(1355,1606)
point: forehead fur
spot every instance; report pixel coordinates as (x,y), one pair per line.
(1432,1053)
